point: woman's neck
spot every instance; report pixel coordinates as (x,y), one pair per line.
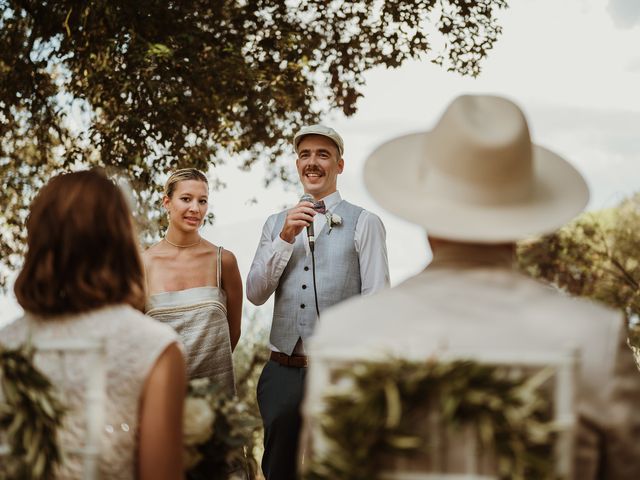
(178,239)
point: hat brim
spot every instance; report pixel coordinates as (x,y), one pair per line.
(391,175)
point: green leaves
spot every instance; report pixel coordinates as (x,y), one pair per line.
(399,410)
(159,50)
(30,415)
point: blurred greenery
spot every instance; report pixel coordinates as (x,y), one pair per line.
(143,87)
(30,415)
(595,256)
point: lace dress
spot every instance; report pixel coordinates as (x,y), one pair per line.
(199,316)
(133,344)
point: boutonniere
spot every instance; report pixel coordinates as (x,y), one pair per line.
(333,219)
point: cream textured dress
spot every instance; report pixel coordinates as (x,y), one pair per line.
(133,344)
(199,316)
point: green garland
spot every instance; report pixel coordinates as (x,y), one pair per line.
(383,415)
(30,415)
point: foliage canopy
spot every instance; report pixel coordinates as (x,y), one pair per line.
(142,87)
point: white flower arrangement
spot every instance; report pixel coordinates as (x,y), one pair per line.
(198,421)
(217,425)
(333,219)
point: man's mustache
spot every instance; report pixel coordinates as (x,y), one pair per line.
(313,170)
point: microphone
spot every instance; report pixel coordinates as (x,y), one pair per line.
(310,235)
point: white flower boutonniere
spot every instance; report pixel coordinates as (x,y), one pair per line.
(333,219)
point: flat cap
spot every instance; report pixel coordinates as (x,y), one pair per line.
(328,132)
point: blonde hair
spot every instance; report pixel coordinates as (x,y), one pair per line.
(181,175)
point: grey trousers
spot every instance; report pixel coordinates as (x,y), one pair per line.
(280,391)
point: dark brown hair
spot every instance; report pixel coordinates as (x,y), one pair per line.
(82,252)
(180,175)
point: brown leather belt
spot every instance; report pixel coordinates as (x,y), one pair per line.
(297,361)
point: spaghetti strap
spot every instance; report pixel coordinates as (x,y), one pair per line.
(219,269)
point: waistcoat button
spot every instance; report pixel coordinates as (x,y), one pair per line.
(302,305)
(304,287)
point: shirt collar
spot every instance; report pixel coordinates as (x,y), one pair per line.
(332,200)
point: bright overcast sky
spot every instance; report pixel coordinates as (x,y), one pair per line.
(572,65)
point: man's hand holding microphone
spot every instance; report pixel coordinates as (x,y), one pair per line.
(299,217)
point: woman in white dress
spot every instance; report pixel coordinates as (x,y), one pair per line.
(83,278)
(193,285)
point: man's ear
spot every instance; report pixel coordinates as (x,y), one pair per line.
(340,165)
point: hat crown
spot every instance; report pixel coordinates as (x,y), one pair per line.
(482,152)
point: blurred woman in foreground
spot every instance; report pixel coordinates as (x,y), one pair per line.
(83,278)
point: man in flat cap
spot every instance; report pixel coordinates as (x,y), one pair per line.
(314,255)
(478,184)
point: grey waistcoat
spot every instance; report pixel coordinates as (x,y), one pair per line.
(337,278)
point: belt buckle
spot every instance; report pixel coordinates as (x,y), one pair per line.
(302,361)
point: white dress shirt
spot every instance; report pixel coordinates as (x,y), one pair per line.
(272,256)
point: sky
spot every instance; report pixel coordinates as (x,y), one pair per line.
(573,66)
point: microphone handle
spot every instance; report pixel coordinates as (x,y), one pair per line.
(311,236)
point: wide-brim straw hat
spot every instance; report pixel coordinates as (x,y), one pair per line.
(476,176)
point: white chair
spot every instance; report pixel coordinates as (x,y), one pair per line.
(93,352)
(562,368)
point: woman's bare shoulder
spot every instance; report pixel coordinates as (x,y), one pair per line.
(152,252)
(207,248)
(228,259)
